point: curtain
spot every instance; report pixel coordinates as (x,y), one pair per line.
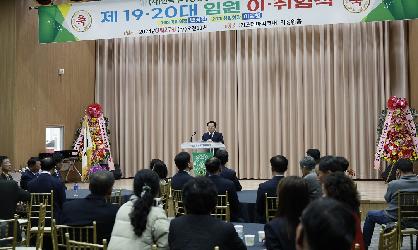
(271,91)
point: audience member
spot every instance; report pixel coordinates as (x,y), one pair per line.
(341,188)
(325,224)
(327,164)
(45,183)
(161,169)
(152,163)
(139,224)
(213,168)
(278,167)
(94,207)
(314,153)
(307,165)
(59,161)
(293,195)
(6,167)
(407,180)
(344,164)
(31,172)
(198,229)
(227,173)
(182,161)
(11,194)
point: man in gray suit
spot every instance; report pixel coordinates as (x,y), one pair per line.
(307,165)
(407,180)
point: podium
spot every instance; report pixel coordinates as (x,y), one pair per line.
(201,152)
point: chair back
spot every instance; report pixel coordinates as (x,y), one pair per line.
(36,199)
(115,197)
(389,240)
(165,194)
(41,225)
(8,233)
(271,205)
(78,233)
(407,213)
(222,210)
(178,202)
(78,245)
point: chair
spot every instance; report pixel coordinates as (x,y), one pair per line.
(41,225)
(389,240)
(165,194)
(78,233)
(222,210)
(178,203)
(34,213)
(407,215)
(154,247)
(78,245)
(115,197)
(8,233)
(271,205)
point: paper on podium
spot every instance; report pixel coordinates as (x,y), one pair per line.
(202,145)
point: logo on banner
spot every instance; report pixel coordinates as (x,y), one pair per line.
(81,21)
(356,6)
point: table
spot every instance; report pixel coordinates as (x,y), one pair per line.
(247,199)
(82,193)
(253,228)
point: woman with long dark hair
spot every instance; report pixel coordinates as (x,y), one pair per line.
(293,197)
(139,223)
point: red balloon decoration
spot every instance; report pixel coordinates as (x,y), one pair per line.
(395,102)
(94,110)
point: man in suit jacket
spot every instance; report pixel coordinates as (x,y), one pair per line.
(222,185)
(32,172)
(94,207)
(227,173)
(212,135)
(6,168)
(11,194)
(182,161)
(407,180)
(198,229)
(45,183)
(278,165)
(307,165)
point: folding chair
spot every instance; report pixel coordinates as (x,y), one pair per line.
(34,213)
(222,210)
(79,233)
(8,233)
(115,197)
(178,203)
(407,215)
(389,240)
(78,245)
(271,205)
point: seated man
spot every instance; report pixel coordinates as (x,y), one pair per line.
(11,194)
(6,168)
(94,207)
(212,134)
(407,180)
(227,173)
(278,165)
(222,185)
(182,161)
(307,165)
(45,183)
(327,164)
(314,153)
(325,224)
(32,172)
(198,229)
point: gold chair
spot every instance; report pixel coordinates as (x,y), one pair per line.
(271,205)
(41,225)
(222,210)
(165,195)
(115,197)
(178,203)
(34,213)
(407,215)
(78,233)
(154,247)
(78,245)
(8,233)
(389,240)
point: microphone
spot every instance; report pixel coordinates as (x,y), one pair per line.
(191,137)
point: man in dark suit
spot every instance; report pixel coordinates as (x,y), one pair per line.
(94,207)
(222,185)
(11,194)
(227,173)
(32,172)
(212,135)
(278,165)
(6,168)
(198,229)
(182,161)
(45,183)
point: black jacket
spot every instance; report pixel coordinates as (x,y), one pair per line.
(269,187)
(231,175)
(203,232)
(223,185)
(11,194)
(278,235)
(179,179)
(217,137)
(26,177)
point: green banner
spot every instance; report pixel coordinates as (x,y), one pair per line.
(199,159)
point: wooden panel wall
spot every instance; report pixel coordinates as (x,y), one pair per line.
(413,62)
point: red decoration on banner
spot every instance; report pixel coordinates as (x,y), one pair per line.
(94,110)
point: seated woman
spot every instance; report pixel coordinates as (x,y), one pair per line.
(342,188)
(160,168)
(139,224)
(293,194)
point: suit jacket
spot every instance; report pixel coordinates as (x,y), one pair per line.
(223,185)
(44,184)
(179,179)
(217,137)
(231,175)
(277,235)
(6,177)
(202,232)
(269,187)
(11,194)
(391,197)
(92,208)
(26,177)
(314,187)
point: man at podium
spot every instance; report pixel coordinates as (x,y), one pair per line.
(212,134)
